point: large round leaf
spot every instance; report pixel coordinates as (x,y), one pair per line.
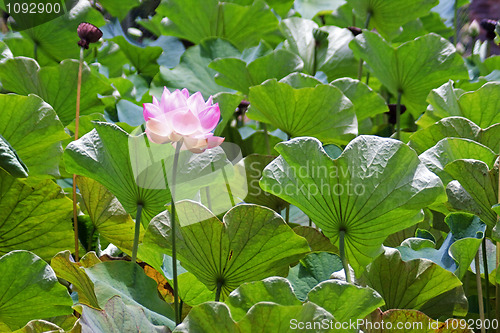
(31,126)
(329,53)
(481,106)
(366,101)
(262,317)
(456,127)
(413,321)
(107,214)
(103,155)
(252,243)
(450,149)
(129,281)
(193,72)
(459,247)
(274,289)
(321,111)
(236,74)
(377,187)
(388,16)
(252,166)
(65,268)
(117,317)
(409,285)
(57,40)
(143,58)
(196,20)
(10,161)
(344,300)
(35,215)
(413,68)
(30,290)
(480,182)
(56,85)
(316,267)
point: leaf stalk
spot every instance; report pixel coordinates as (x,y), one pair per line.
(77,125)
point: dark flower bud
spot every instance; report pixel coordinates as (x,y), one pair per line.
(392,112)
(489,26)
(88,33)
(355,30)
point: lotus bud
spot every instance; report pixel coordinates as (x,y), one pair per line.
(88,33)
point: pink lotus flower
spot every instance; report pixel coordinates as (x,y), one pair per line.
(179,116)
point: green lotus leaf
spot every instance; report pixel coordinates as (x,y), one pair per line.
(422,26)
(10,161)
(481,106)
(333,56)
(450,149)
(460,199)
(56,85)
(408,285)
(259,142)
(414,321)
(273,289)
(107,214)
(129,281)
(366,102)
(300,40)
(192,291)
(117,316)
(236,74)
(458,249)
(196,20)
(455,127)
(376,187)
(65,268)
(57,40)
(413,68)
(323,111)
(388,16)
(32,128)
(323,49)
(480,182)
(252,243)
(314,268)
(253,166)
(262,317)
(103,155)
(39,325)
(345,301)
(193,71)
(34,215)
(121,9)
(144,59)
(317,241)
(30,290)
(227,105)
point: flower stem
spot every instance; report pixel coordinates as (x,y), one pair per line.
(173,228)
(136,234)
(228,188)
(343,257)
(266,138)
(398,116)
(479,291)
(219,289)
(360,67)
(486,276)
(77,124)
